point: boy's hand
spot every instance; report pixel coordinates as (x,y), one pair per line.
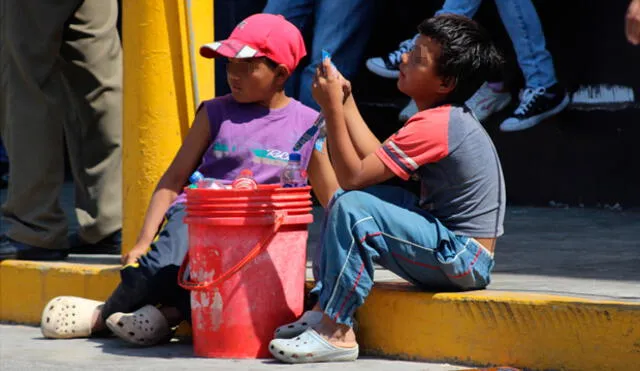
(328,87)
(134,254)
(346,86)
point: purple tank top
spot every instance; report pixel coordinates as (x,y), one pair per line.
(249,136)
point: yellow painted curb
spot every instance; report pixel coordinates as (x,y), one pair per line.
(490,327)
(482,328)
(25,286)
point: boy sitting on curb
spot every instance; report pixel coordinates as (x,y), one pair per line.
(444,240)
(255,127)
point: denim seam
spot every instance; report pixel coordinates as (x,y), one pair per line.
(346,261)
(464,249)
(407,242)
(528,40)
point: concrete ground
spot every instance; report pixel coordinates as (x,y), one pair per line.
(591,253)
(23,348)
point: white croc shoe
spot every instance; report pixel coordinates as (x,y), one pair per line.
(67,317)
(146,326)
(310,347)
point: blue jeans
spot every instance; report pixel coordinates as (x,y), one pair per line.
(383,225)
(340,26)
(523,25)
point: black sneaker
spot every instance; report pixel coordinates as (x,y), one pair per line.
(11,249)
(535,106)
(389,66)
(110,245)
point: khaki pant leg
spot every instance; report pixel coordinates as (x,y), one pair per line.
(33,108)
(93,51)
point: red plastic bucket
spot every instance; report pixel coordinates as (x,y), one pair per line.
(247,266)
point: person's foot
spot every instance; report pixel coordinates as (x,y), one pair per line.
(536,105)
(111,245)
(487,100)
(11,249)
(337,334)
(327,341)
(389,66)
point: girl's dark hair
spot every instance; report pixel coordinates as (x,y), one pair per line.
(467,54)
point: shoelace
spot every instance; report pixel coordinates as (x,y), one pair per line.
(395,57)
(529,97)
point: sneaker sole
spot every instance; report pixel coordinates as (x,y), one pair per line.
(382,72)
(535,120)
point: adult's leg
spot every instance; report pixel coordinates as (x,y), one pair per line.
(299,13)
(33,109)
(342,28)
(525,30)
(93,54)
(467,8)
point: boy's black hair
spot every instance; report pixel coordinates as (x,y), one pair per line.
(467,54)
(270,63)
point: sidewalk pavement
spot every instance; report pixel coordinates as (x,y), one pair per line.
(23,348)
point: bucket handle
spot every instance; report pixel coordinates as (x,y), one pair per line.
(257,249)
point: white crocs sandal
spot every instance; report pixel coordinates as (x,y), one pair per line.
(66,317)
(293,329)
(310,347)
(146,326)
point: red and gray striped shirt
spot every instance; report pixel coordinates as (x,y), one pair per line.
(461,178)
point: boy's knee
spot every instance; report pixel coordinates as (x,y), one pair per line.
(349,200)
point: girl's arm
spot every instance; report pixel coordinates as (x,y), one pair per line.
(172,182)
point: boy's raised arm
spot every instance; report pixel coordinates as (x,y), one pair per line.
(352,171)
(361,136)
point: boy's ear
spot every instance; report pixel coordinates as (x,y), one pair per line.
(447,85)
(282,73)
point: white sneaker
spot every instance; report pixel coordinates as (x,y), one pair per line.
(389,66)
(487,101)
(408,111)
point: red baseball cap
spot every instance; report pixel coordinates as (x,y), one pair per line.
(261,35)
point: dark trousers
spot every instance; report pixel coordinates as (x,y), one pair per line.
(154,281)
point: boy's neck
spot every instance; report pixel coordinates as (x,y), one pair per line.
(428,102)
(278,100)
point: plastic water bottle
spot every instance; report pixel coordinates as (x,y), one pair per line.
(244,180)
(293,175)
(198,180)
